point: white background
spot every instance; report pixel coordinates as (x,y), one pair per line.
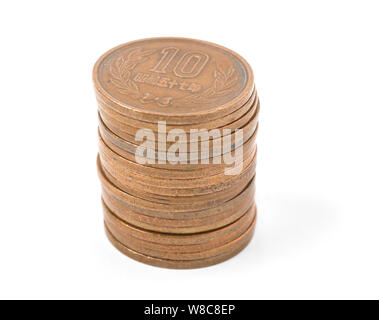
(317,72)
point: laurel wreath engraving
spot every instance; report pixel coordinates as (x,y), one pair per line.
(122,69)
(121,72)
(224,83)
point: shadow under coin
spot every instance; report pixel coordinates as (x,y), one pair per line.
(289,224)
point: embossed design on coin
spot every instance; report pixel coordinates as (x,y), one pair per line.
(173,76)
(178,121)
(224,83)
(123,79)
(122,71)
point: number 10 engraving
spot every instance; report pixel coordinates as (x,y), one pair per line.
(189,65)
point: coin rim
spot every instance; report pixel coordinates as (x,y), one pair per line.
(244,95)
(171,264)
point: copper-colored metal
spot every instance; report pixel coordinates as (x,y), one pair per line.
(181,81)
(248,131)
(176,210)
(149,218)
(202,201)
(180,252)
(176,226)
(119,146)
(129,127)
(125,234)
(247,124)
(187,214)
(178,188)
(227,252)
(122,165)
(176,240)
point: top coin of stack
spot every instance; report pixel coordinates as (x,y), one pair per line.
(178,123)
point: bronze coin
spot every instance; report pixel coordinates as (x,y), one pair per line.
(202,201)
(181,169)
(216,147)
(169,222)
(217,123)
(190,187)
(177,215)
(248,124)
(178,187)
(168,193)
(178,210)
(164,252)
(182,138)
(123,204)
(181,81)
(243,241)
(200,215)
(119,146)
(175,226)
(122,165)
(125,234)
(130,126)
(222,186)
(200,239)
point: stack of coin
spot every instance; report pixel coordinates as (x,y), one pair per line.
(178,120)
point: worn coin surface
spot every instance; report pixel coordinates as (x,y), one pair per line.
(181,137)
(175,240)
(117,145)
(181,81)
(121,165)
(179,210)
(128,150)
(140,240)
(177,178)
(177,188)
(180,252)
(233,249)
(200,201)
(176,226)
(213,147)
(131,126)
(177,222)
